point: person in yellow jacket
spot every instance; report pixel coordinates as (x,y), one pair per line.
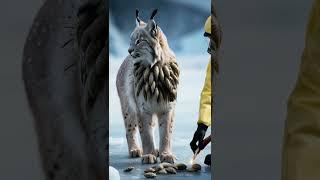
(301,146)
(204,119)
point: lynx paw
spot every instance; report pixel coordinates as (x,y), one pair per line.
(167,157)
(155,152)
(135,153)
(149,159)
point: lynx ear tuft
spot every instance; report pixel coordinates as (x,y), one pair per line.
(138,20)
(154,12)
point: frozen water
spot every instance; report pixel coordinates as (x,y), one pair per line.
(119,160)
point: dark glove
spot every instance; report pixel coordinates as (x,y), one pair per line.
(198,137)
(207,160)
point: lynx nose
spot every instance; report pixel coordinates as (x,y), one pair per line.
(130,50)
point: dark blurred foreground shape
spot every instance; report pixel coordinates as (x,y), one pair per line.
(65,75)
(301,158)
(259,60)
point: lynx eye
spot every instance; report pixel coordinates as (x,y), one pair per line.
(138,41)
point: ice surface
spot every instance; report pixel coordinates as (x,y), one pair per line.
(182,135)
(119,160)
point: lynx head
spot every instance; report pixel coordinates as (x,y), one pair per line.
(148,44)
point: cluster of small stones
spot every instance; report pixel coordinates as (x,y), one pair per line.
(167,168)
(159,81)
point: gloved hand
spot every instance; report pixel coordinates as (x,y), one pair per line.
(198,137)
(207,160)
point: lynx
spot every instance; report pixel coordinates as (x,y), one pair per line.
(147,87)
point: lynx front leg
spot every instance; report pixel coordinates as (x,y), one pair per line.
(131,130)
(146,125)
(165,131)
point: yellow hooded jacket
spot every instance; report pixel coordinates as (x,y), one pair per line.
(205,98)
(301,147)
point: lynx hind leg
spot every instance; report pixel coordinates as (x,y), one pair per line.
(131,125)
(146,125)
(165,133)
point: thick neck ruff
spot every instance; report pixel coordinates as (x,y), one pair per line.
(159,82)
